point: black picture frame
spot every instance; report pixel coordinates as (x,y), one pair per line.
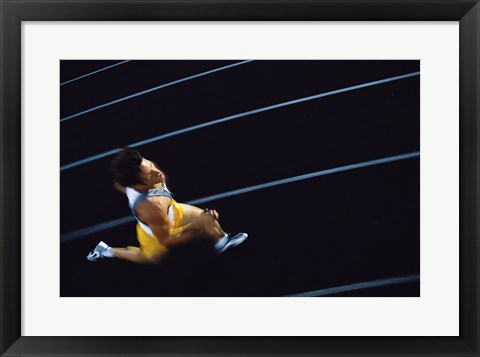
(13,12)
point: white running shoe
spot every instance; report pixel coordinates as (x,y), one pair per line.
(97,252)
(233,240)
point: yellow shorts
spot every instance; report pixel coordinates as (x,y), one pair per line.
(151,246)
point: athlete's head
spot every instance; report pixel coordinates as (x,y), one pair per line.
(129,168)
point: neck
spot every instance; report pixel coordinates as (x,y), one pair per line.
(159,185)
(144,188)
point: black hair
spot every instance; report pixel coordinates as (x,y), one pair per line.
(125,167)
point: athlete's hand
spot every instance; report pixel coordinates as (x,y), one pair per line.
(211,212)
(206,219)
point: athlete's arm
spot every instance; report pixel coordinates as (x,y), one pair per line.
(153,212)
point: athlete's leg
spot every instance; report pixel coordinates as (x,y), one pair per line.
(210,228)
(151,251)
(132,254)
(135,255)
(213,231)
(203,225)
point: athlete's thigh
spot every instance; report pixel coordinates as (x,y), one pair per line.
(190,213)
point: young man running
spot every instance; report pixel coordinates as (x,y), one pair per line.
(162,223)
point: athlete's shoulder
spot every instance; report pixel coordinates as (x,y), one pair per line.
(153,208)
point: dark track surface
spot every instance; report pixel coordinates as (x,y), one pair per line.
(333,230)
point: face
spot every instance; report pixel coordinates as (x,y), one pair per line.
(149,174)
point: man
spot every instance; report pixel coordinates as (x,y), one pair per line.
(162,223)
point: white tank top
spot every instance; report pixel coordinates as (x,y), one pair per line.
(135,197)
